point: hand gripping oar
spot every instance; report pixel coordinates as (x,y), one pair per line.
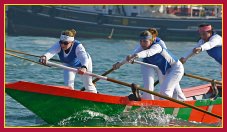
(104,74)
(130,85)
(20,52)
(188,75)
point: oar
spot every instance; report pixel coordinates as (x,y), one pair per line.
(130,85)
(189,75)
(104,74)
(203,78)
(20,52)
(24,58)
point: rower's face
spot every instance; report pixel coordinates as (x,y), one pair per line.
(65,44)
(205,35)
(145,43)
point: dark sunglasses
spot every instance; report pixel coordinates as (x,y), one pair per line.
(64,42)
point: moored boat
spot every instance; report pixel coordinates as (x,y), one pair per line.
(56,103)
(98,25)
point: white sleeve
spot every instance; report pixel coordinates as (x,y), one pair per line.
(163,44)
(137,49)
(82,55)
(150,52)
(52,51)
(213,42)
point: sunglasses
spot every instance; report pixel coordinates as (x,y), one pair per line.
(64,42)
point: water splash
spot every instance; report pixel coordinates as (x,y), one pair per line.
(141,117)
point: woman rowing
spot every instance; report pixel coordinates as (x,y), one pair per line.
(72,53)
(210,42)
(153,52)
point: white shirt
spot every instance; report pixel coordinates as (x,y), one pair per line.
(81,54)
(215,40)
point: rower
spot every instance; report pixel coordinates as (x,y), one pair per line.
(72,53)
(210,42)
(154,53)
(148,72)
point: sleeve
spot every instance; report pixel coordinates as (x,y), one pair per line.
(150,52)
(52,51)
(137,49)
(163,44)
(213,42)
(82,55)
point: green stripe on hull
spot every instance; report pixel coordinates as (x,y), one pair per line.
(184,113)
(207,102)
(169,111)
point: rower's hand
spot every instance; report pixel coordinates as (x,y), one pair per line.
(197,50)
(131,58)
(43,60)
(183,60)
(82,70)
(116,65)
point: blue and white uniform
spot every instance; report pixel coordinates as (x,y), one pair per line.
(169,70)
(76,57)
(213,48)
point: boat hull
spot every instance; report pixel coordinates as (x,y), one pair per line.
(55,104)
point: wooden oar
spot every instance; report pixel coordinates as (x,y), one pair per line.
(188,75)
(104,74)
(130,85)
(20,52)
(23,58)
(203,78)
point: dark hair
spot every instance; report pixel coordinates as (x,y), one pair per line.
(207,24)
(70,32)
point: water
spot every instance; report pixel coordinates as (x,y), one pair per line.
(104,53)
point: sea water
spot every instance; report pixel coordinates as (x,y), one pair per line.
(104,53)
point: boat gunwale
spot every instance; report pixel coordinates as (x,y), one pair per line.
(102,98)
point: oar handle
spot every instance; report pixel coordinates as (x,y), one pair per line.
(146,64)
(130,85)
(122,63)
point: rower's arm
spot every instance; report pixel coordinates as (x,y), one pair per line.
(137,49)
(150,52)
(214,42)
(82,55)
(52,51)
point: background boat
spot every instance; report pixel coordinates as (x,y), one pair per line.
(103,22)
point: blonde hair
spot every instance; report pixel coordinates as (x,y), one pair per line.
(154,32)
(146,33)
(70,32)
